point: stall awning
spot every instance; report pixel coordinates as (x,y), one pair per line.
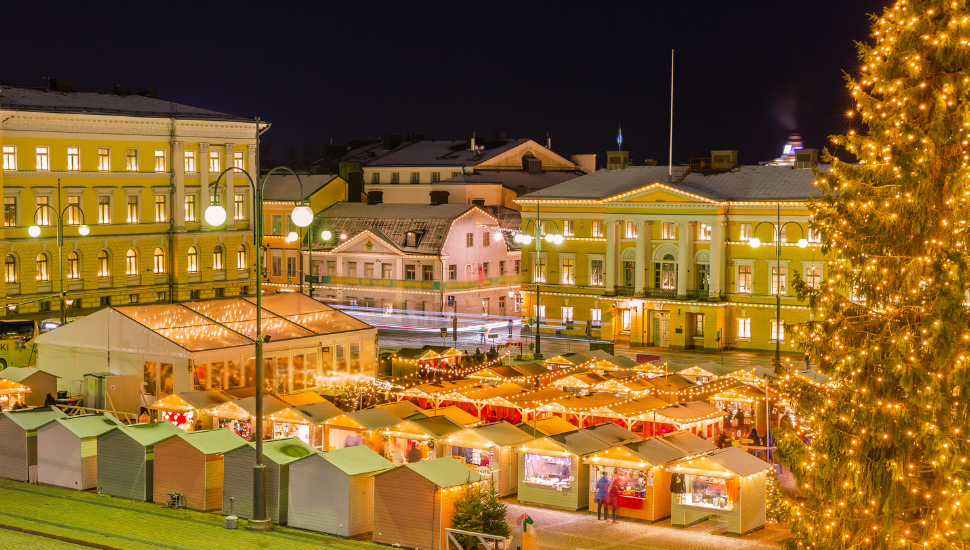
(401,409)
(689,443)
(594,404)
(550,425)
(454,414)
(535,399)
(190,401)
(425,428)
(640,408)
(577,442)
(484,395)
(9,387)
(689,413)
(643,454)
(728,462)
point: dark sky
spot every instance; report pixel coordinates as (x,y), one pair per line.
(747,71)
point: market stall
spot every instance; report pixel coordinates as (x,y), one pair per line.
(401,409)
(360,428)
(454,414)
(311,421)
(418,438)
(67,450)
(333,492)
(727,482)
(40,383)
(550,425)
(639,413)
(191,464)
(704,372)
(126,459)
(278,455)
(18,431)
(697,416)
(566,360)
(415,503)
(12,393)
(489,449)
(186,409)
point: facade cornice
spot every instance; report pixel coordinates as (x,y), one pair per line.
(79,174)
(23,121)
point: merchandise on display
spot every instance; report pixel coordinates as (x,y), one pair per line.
(548,470)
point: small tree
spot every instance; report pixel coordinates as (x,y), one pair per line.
(468,514)
(494,513)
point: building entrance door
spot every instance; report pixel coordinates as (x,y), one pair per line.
(661,329)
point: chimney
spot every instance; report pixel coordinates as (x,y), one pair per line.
(471,143)
(414,137)
(439,197)
(123,91)
(148,92)
(355,186)
(375,197)
(391,141)
(60,85)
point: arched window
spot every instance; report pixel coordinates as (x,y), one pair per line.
(193,257)
(131,262)
(159,260)
(74,265)
(10,269)
(241,262)
(665,273)
(218,257)
(104,267)
(42,273)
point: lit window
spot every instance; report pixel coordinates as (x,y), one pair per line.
(43,211)
(9,157)
(241,257)
(189,161)
(668,231)
(568,272)
(778,282)
(596,317)
(131,262)
(131,160)
(745,232)
(214,162)
(567,228)
(290,266)
(597,229)
(73,265)
(745,278)
(813,277)
(777,329)
(567,314)
(699,324)
(217,259)
(409,272)
(73,159)
(596,273)
(704,232)
(814,236)
(104,159)
(131,208)
(784,232)
(276,224)
(541,311)
(411,239)
(42,273)
(73,213)
(239,207)
(540,272)
(10,211)
(159,261)
(104,268)
(190,208)
(744,328)
(104,209)
(665,273)
(395,177)
(161,208)
(485,266)
(239,160)
(631,230)
(159,160)
(43,158)
(193,260)
(10,269)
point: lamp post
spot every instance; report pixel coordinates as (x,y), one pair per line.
(215,215)
(83,229)
(326,235)
(524,238)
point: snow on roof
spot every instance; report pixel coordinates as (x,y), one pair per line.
(31,419)
(430,153)
(286,187)
(511,179)
(17,98)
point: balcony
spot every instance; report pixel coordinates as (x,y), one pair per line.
(662,293)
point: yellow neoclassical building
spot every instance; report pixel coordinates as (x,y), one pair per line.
(137,171)
(654,262)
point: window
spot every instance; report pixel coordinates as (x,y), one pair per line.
(631,230)
(518,266)
(814,236)
(239,207)
(105,301)
(218,258)
(455,174)
(241,262)
(744,328)
(160,164)
(369,270)
(43,158)
(567,315)
(486,239)
(9,157)
(427,273)
(703,277)
(469,239)
(777,330)
(745,232)
(540,272)
(221,292)
(239,160)
(290,266)
(704,232)
(435,177)
(813,276)
(189,157)
(104,159)
(42,273)
(415,177)
(73,213)
(190,208)
(195,294)
(73,265)
(568,272)
(541,311)
(596,273)
(484,269)
(73,159)
(161,210)
(131,160)
(193,260)
(131,262)
(43,215)
(411,239)
(409,272)
(567,228)
(161,296)
(104,268)
(375,177)
(668,231)
(597,229)
(699,324)
(501,302)
(351,269)
(501,268)
(784,232)
(10,269)
(132,298)
(778,280)
(10,211)
(395,177)
(386,270)
(745,279)
(159,261)
(276,224)
(665,273)
(452,272)
(596,317)
(277,266)
(214,164)
(131,208)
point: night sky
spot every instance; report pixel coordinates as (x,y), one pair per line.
(748,73)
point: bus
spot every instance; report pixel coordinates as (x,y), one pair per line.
(17,343)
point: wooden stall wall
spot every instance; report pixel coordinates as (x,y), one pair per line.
(405,505)
(310,507)
(179,468)
(213,482)
(444,518)
(122,468)
(753,497)
(508,471)
(14,453)
(59,458)
(361,504)
(576,497)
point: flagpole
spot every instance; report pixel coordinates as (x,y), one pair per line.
(670,166)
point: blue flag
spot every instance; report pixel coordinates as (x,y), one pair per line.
(619,138)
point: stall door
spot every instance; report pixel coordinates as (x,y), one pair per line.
(661,329)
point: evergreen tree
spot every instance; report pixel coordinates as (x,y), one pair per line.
(886,465)
(468,514)
(494,514)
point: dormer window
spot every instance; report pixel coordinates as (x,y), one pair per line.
(412,239)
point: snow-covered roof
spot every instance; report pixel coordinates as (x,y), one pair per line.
(511,179)
(286,187)
(430,153)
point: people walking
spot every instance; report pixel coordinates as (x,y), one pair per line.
(739,419)
(602,495)
(614,499)
(510,327)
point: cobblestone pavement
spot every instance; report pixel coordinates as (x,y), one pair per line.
(557,530)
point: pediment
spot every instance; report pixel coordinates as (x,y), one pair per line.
(513,158)
(660,193)
(369,242)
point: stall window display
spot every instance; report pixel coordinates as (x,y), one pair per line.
(548,470)
(242,428)
(468,455)
(630,483)
(401,451)
(282,430)
(184,420)
(704,491)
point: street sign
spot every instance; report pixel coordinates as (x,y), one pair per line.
(493,335)
(569,325)
(451,301)
(444,331)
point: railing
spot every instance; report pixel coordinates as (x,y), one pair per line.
(75,410)
(625,291)
(664,293)
(491,542)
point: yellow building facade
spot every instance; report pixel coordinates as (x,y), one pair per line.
(656,263)
(138,172)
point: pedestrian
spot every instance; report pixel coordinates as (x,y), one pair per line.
(754,437)
(483,334)
(602,495)
(49,401)
(510,328)
(614,499)
(739,419)
(414,455)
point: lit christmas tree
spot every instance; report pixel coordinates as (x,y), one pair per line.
(886,466)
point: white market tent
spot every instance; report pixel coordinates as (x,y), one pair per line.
(215,338)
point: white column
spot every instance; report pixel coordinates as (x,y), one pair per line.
(643,241)
(203,178)
(685,255)
(609,277)
(717,255)
(229,202)
(178,170)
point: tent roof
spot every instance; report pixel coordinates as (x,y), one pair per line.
(216,441)
(550,425)
(655,451)
(301,398)
(437,426)
(286,450)
(715,369)
(612,434)
(19,374)
(401,409)
(316,413)
(530,369)
(150,433)
(31,419)
(453,413)
(444,472)
(356,460)
(502,433)
(638,406)
(89,425)
(574,358)
(693,411)
(203,399)
(537,398)
(579,442)
(689,443)
(375,418)
(492,392)
(271,404)
(730,460)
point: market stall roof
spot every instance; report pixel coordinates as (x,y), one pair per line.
(496,434)
(374,418)
(746,392)
(286,450)
(531,369)
(643,454)
(9,387)
(401,409)
(546,426)
(612,434)
(356,460)
(632,382)
(454,414)
(616,360)
(533,399)
(757,371)
(810,374)
(688,442)
(574,358)
(443,387)
(271,404)
(492,392)
(577,442)
(435,427)
(580,380)
(89,425)
(693,411)
(312,413)
(229,410)
(31,419)
(19,374)
(301,398)
(703,391)
(193,400)
(495,372)
(215,441)
(670,383)
(443,472)
(150,433)
(730,460)
(711,368)
(444,351)
(639,408)
(596,403)
(417,354)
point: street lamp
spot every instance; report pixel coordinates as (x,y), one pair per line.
(326,235)
(259,522)
(524,238)
(83,229)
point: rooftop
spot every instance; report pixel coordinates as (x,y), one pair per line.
(90,425)
(356,460)
(430,153)
(31,419)
(511,179)
(208,442)
(286,187)
(150,433)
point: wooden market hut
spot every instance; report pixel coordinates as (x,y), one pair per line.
(697,416)
(727,482)
(415,503)
(191,464)
(126,459)
(359,428)
(454,414)
(333,492)
(12,392)
(278,454)
(67,450)
(426,433)
(496,441)
(40,382)
(550,425)
(186,408)
(18,431)
(315,416)
(408,361)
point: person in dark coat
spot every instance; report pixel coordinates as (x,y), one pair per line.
(414,454)
(739,419)
(614,499)
(49,401)
(754,437)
